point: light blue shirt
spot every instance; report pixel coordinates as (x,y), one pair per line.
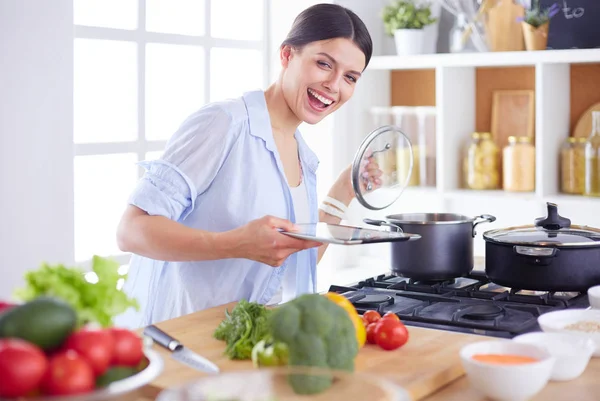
(219,171)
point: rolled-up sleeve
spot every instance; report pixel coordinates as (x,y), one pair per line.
(191,160)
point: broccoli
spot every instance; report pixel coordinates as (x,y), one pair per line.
(318,333)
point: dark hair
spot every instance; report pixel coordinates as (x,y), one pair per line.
(329,21)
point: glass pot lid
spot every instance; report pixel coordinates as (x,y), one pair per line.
(391,149)
(551,231)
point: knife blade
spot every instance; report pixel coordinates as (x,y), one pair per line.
(179,352)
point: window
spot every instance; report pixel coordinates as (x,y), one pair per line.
(140,67)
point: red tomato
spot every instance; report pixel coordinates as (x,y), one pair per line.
(371,333)
(391,315)
(22,367)
(69,373)
(96,346)
(128,348)
(390,334)
(371,316)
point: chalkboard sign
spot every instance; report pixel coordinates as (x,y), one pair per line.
(576,26)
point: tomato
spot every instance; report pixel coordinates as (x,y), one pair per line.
(129,349)
(390,334)
(365,322)
(371,316)
(22,367)
(68,373)
(371,333)
(96,346)
(391,315)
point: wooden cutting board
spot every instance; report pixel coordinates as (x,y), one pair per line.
(503,28)
(426,363)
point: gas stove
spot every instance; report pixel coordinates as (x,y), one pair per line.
(471,304)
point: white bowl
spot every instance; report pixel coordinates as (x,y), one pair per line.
(557,322)
(572,353)
(594,296)
(507,382)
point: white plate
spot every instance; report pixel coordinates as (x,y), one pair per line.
(347,235)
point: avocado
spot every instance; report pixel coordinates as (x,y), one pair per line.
(43,321)
(114,374)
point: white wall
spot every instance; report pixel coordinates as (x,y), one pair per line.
(36,61)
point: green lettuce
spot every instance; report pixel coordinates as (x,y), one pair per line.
(96,302)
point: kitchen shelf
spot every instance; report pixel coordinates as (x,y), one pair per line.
(489,59)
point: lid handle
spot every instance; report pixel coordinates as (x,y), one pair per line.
(553,221)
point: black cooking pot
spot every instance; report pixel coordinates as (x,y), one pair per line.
(550,255)
(445,250)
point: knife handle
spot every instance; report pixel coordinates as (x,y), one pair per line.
(162,338)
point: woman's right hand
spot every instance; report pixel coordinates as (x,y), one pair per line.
(261,241)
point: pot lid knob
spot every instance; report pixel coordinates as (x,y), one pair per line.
(553,221)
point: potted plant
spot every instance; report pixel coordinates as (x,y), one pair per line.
(536,24)
(405,21)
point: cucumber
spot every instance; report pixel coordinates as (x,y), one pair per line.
(114,374)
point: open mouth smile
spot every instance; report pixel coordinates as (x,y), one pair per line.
(318,101)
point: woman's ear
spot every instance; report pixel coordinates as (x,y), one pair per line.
(285,54)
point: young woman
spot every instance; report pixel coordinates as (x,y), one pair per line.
(203,222)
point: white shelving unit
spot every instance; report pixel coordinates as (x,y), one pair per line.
(455,82)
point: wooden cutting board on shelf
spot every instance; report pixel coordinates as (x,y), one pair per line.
(503,27)
(583,128)
(429,361)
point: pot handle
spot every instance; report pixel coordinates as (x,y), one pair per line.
(380,223)
(485,218)
(535,252)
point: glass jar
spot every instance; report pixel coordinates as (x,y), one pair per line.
(518,166)
(386,160)
(407,119)
(572,166)
(481,164)
(592,158)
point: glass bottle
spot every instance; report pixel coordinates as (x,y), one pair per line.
(592,158)
(519,164)
(481,165)
(572,166)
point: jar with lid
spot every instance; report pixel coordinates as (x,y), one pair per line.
(592,158)
(481,163)
(572,166)
(518,166)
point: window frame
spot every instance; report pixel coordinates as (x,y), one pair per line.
(141,146)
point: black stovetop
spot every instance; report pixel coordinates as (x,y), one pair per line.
(471,304)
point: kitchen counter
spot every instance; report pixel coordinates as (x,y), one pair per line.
(405,365)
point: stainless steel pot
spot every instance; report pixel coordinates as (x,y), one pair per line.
(445,250)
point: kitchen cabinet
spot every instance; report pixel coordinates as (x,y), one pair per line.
(461,86)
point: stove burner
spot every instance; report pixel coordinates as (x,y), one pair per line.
(432,282)
(483,312)
(373,301)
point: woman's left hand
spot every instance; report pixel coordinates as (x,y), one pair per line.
(343,190)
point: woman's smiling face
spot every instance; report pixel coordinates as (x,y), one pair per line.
(319,78)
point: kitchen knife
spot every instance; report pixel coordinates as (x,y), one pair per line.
(179,352)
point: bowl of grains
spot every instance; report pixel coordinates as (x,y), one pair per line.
(583,323)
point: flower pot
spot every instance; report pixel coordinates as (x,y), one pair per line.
(536,38)
(409,41)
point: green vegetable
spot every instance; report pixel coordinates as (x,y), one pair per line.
(115,374)
(318,333)
(405,14)
(243,328)
(45,322)
(94,302)
(269,353)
